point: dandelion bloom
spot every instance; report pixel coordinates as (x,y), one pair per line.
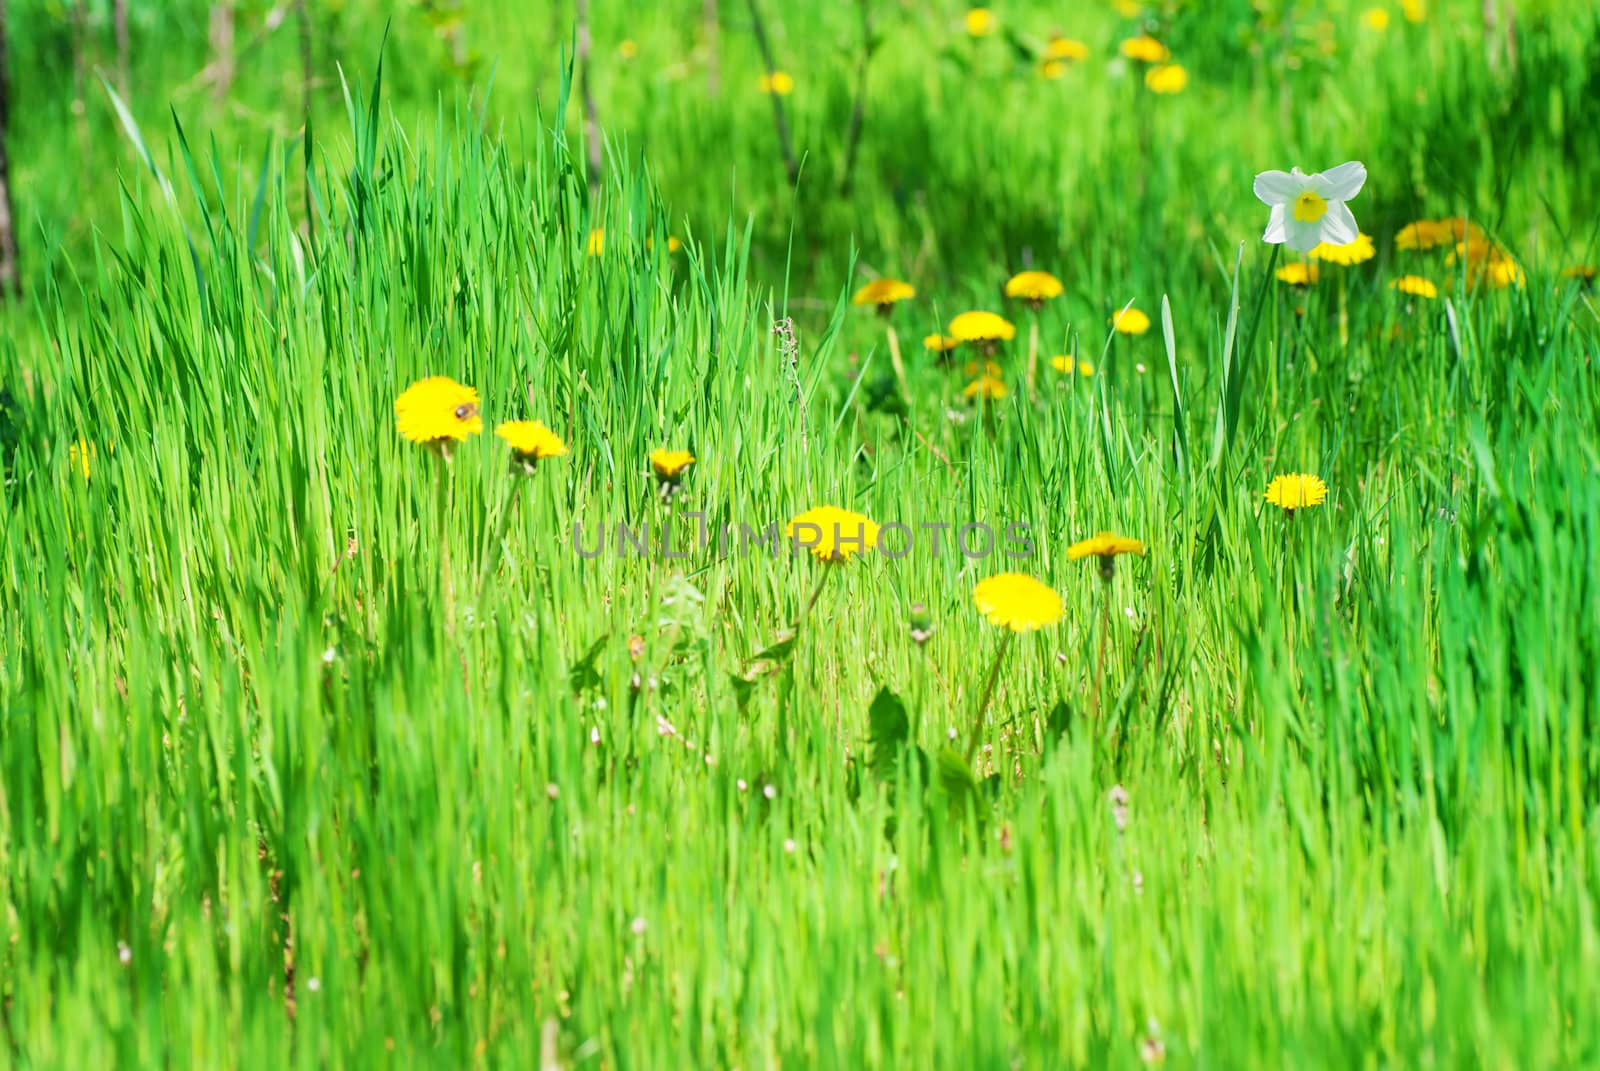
(940,343)
(1130,321)
(1299,273)
(982,327)
(1034,286)
(989,388)
(884,293)
(79,455)
(530,440)
(1166,78)
(832,534)
(1050,70)
(1375,18)
(1423,234)
(1487,264)
(437,410)
(778,82)
(1414,10)
(987,368)
(1067,364)
(1462,230)
(1296,491)
(1583,272)
(1106,547)
(628,49)
(1017,602)
(670,464)
(1145,49)
(1065,49)
(1415,285)
(980,22)
(597,241)
(1309,210)
(1349,253)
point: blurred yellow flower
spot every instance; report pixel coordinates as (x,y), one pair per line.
(530,440)
(1584,272)
(1051,70)
(1299,273)
(1414,285)
(1066,49)
(1017,602)
(597,241)
(778,82)
(1423,234)
(1034,286)
(670,464)
(974,369)
(1350,253)
(980,22)
(1414,10)
(79,455)
(1066,365)
(628,49)
(1296,491)
(1130,321)
(1166,78)
(1104,545)
(1145,49)
(437,410)
(1375,18)
(982,327)
(989,388)
(832,534)
(940,343)
(883,293)
(1487,264)
(1128,9)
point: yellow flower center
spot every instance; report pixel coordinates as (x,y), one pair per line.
(1309,207)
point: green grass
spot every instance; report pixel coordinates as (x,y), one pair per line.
(316,751)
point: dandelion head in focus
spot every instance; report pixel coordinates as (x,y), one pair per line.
(437,410)
(1130,321)
(1017,602)
(1296,490)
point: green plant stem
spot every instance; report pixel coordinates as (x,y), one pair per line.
(1100,659)
(988,694)
(496,548)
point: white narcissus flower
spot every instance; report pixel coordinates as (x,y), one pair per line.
(1310,209)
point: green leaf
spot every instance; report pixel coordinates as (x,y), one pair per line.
(890,730)
(583,675)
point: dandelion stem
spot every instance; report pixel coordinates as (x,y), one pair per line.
(442,510)
(496,548)
(816,593)
(1033,358)
(988,694)
(1100,659)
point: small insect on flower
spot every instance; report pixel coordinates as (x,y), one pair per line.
(1145,49)
(984,330)
(1309,210)
(1105,547)
(884,293)
(1166,78)
(779,83)
(1296,491)
(832,534)
(986,387)
(437,411)
(530,442)
(1034,287)
(980,22)
(1347,254)
(1130,321)
(1299,273)
(1415,285)
(1017,602)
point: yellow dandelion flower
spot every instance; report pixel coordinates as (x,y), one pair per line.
(988,388)
(1066,364)
(778,82)
(1065,49)
(1414,10)
(884,293)
(673,244)
(1104,545)
(1034,286)
(1130,321)
(1051,70)
(1583,272)
(1375,18)
(1166,78)
(1415,285)
(980,22)
(79,456)
(832,534)
(1299,273)
(1128,9)
(437,410)
(982,327)
(1296,491)
(974,369)
(530,440)
(628,49)
(1145,49)
(1423,234)
(597,241)
(1350,253)
(940,343)
(670,464)
(1461,230)
(1017,602)
(1487,264)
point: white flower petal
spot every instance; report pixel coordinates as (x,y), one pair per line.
(1277,187)
(1302,236)
(1340,183)
(1338,225)
(1275,232)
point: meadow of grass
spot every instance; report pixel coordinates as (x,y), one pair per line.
(317,749)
